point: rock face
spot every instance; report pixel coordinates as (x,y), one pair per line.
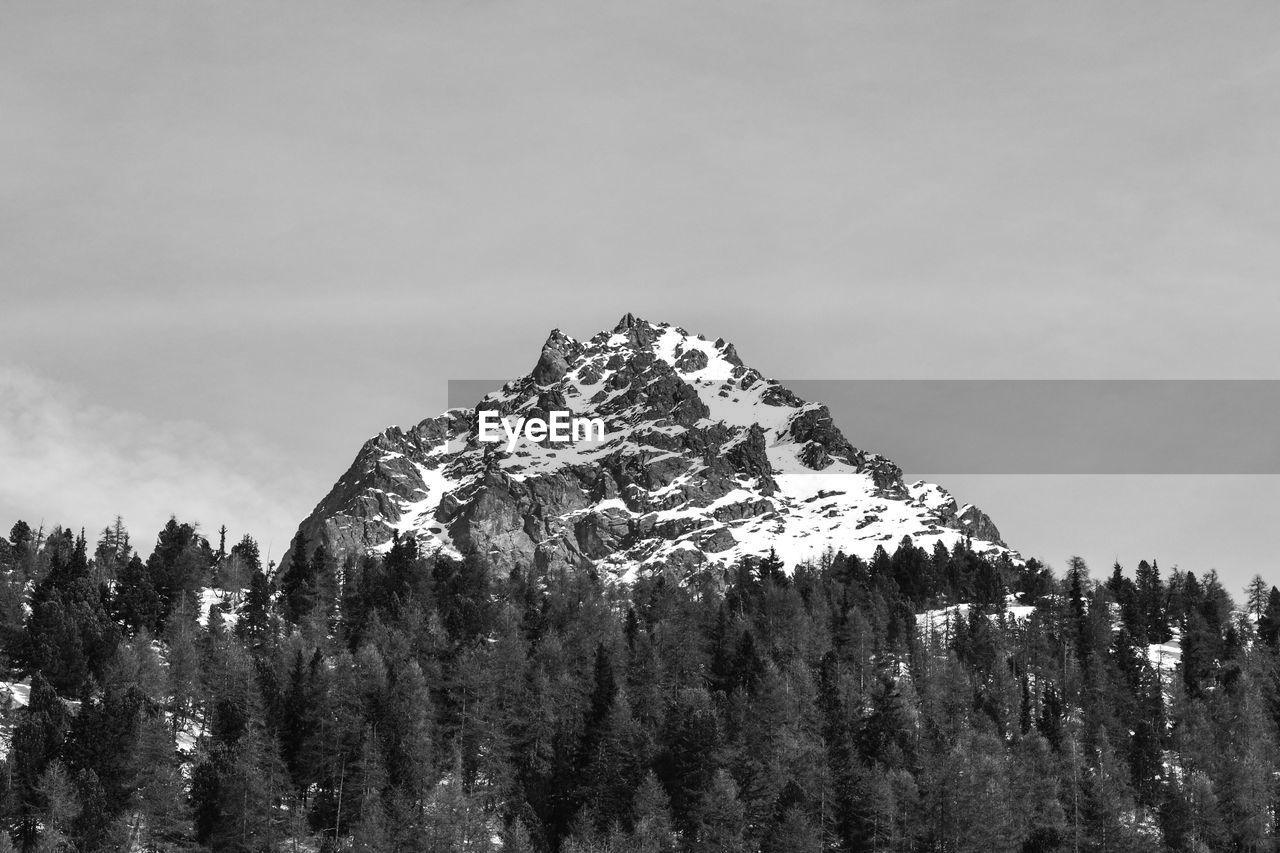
(704,460)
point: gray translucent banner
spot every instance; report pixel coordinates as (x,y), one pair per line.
(1038,426)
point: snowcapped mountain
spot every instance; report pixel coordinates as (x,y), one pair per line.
(703,460)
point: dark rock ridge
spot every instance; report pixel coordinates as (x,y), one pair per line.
(705,460)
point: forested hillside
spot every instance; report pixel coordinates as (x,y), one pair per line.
(190,698)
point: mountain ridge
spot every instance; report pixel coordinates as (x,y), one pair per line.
(705,461)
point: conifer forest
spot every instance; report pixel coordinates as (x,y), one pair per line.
(186,695)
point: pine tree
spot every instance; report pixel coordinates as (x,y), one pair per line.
(159,795)
(254,623)
(407,730)
(366,799)
(653,832)
(103,742)
(184,664)
(372,833)
(1269,622)
(453,819)
(247,551)
(55,646)
(206,798)
(516,839)
(95,826)
(135,603)
(20,535)
(1151,598)
(1107,799)
(616,767)
(59,809)
(37,742)
(1077,580)
(1035,777)
(796,833)
(603,691)
(251,786)
(69,635)
(1256,596)
(299,720)
(112,551)
(180,564)
(718,819)
(298,583)
(688,758)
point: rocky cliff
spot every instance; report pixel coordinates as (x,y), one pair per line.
(703,460)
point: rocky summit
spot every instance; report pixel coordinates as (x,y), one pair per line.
(703,461)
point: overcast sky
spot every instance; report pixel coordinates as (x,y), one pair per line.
(236,239)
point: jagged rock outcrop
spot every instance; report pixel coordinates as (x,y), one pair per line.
(704,460)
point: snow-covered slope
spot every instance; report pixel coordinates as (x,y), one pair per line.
(704,460)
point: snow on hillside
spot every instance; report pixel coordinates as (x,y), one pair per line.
(224,600)
(941,623)
(805,502)
(1165,657)
(13,695)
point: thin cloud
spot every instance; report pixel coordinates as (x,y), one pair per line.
(64,460)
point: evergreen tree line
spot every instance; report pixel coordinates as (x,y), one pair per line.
(415,702)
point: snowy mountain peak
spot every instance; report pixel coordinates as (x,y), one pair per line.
(697,459)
